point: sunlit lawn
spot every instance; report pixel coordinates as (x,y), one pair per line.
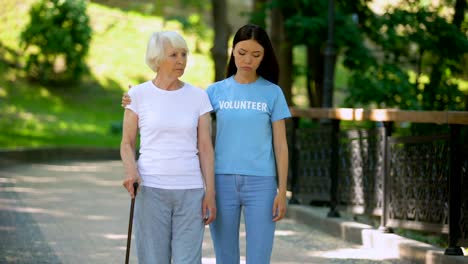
(82,115)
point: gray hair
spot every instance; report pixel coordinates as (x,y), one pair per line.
(155,50)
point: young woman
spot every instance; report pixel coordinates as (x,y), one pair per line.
(175,166)
(251,150)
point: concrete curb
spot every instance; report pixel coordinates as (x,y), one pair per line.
(369,237)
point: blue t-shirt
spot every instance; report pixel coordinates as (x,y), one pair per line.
(244,117)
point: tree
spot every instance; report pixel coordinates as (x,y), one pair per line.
(258,15)
(306,25)
(222,32)
(417,59)
(410,57)
(283,48)
(56,40)
(262,10)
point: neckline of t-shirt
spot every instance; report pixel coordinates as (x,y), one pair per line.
(159,90)
(245,84)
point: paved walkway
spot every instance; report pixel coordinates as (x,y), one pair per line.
(77,212)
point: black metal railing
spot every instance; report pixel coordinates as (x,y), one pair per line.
(413,182)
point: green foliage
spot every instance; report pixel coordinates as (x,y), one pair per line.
(306,24)
(56,40)
(258,15)
(193,24)
(383,86)
(192,17)
(305,21)
(411,57)
(197,4)
(417,62)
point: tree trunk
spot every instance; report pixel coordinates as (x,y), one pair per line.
(430,90)
(315,63)
(259,14)
(436,76)
(221,37)
(283,48)
(459,16)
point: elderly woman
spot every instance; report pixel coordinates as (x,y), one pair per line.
(175,167)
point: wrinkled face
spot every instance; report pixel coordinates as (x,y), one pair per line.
(248,55)
(174,63)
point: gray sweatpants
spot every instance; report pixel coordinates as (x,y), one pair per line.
(168,225)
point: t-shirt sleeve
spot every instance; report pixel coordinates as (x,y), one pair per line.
(280,108)
(211,95)
(205,105)
(134,104)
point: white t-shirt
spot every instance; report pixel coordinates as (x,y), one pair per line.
(168,122)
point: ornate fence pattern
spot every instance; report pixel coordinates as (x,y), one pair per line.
(361,170)
(413,182)
(418,183)
(463,239)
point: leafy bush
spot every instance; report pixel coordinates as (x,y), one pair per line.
(56,40)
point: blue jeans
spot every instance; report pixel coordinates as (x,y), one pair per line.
(254,195)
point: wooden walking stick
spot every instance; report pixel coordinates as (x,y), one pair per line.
(130,222)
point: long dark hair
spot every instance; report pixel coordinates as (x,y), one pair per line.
(268,68)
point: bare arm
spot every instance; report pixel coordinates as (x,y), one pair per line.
(280,146)
(127,150)
(206,154)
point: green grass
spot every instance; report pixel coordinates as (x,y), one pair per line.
(33,115)
(36,116)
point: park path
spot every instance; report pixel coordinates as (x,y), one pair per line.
(77,212)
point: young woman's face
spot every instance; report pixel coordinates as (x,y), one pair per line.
(248,55)
(174,63)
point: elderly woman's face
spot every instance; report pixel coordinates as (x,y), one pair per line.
(174,63)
